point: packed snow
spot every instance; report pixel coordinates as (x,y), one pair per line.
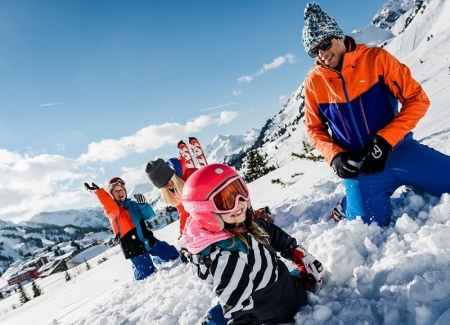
(393,275)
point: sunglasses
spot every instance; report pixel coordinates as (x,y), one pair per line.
(324,46)
(225,198)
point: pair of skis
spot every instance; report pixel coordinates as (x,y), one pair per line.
(194,157)
(192,152)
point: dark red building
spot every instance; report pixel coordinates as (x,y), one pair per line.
(23,275)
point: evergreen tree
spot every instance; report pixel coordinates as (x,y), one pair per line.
(23,295)
(76,245)
(88,266)
(37,291)
(308,153)
(67,276)
(256,166)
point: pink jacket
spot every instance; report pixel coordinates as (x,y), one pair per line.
(196,238)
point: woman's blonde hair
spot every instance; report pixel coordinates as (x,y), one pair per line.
(173,198)
(259,234)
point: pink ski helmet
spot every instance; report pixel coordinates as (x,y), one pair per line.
(203,191)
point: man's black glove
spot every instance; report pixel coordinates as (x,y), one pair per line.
(377,154)
(345,165)
(140,198)
(91,188)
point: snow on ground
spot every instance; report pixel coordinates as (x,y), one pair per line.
(394,275)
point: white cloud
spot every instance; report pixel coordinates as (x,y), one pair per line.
(30,184)
(245,79)
(276,63)
(167,134)
(227,117)
(8,158)
(36,182)
(236,92)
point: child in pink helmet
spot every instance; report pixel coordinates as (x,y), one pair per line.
(237,253)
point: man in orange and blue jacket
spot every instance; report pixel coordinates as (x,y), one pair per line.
(352,117)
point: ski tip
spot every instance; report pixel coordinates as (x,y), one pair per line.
(181,142)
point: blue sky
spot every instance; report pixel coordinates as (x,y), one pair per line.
(94,89)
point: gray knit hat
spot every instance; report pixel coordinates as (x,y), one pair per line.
(158,172)
(318,26)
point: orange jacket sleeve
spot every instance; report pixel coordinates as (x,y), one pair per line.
(119,219)
(413,98)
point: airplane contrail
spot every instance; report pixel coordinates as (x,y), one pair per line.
(211,108)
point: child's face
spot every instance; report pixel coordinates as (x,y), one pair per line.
(119,193)
(237,215)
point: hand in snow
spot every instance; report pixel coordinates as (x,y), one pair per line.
(91,188)
(140,198)
(311,270)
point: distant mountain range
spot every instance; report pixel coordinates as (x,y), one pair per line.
(90,217)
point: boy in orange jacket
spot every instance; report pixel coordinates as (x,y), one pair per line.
(127,220)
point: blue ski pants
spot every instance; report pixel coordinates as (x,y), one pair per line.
(410,163)
(164,251)
(143,265)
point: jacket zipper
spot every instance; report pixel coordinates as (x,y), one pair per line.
(364,115)
(342,121)
(344,88)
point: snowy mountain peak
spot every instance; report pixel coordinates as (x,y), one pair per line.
(82,218)
(396,15)
(223,146)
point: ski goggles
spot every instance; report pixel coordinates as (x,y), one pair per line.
(324,46)
(225,198)
(116,181)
